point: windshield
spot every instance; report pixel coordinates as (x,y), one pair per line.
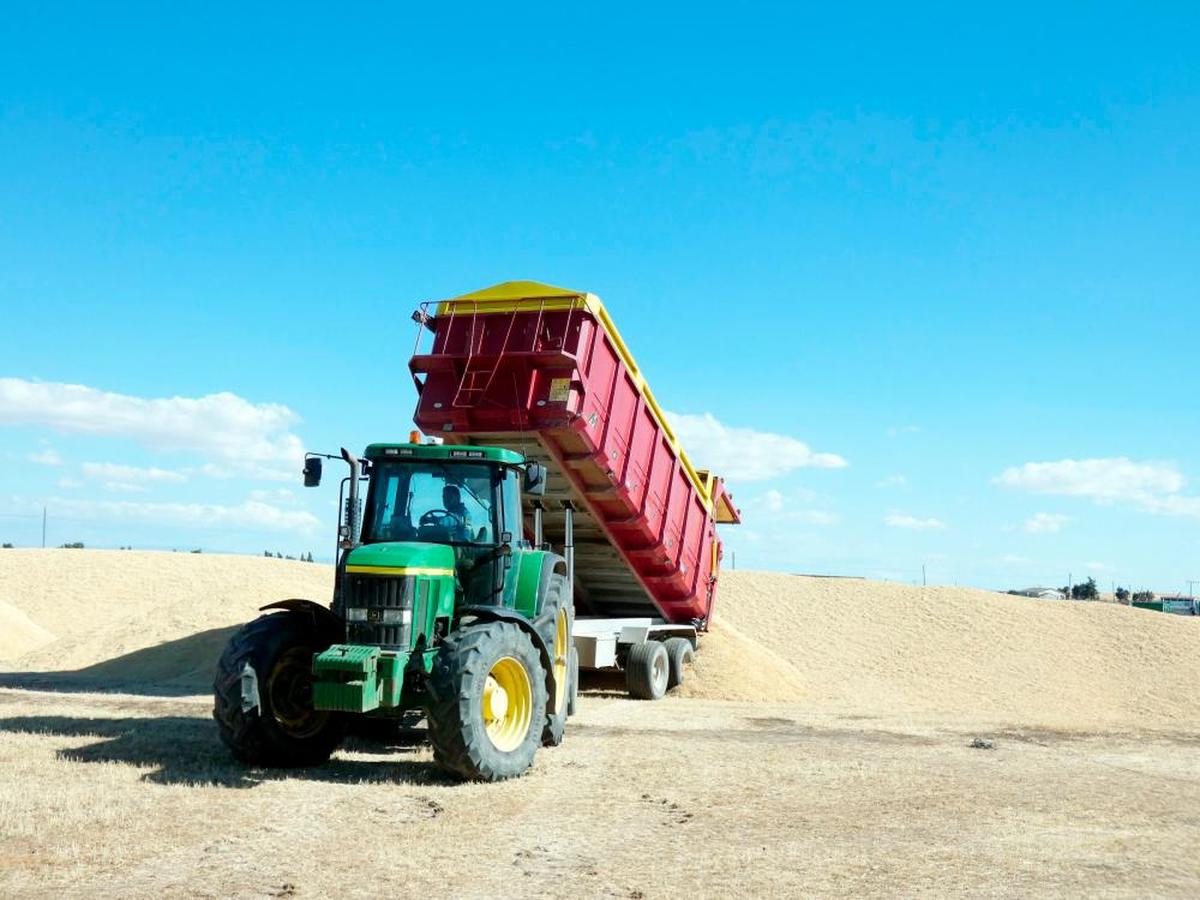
(434,501)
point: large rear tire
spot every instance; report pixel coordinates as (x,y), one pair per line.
(647,670)
(488,702)
(283,729)
(557,625)
(573,699)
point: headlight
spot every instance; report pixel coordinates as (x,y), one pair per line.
(379,616)
(395,616)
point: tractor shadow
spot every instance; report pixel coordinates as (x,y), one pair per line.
(185,750)
(176,668)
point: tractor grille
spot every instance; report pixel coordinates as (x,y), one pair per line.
(375,594)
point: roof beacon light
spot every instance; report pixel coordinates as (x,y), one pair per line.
(414,437)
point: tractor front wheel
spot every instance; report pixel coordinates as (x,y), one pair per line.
(263,694)
(488,702)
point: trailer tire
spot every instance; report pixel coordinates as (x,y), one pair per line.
(647,670)
(679,654)
(476,738)
(281,728)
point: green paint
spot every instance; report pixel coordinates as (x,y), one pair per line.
(361,678)
(407,554)
(346,678)
(445,451)
(358,678)
(527,592)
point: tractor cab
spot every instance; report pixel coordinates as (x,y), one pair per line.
(465,499)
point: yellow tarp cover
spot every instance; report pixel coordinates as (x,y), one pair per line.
(513,295)
(520,290)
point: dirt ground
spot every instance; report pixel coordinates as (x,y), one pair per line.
(133,796)
(843,767)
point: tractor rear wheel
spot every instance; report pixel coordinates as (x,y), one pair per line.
(557,626)
(647,670)
(488,702)
(262,694)
(573,698)
(679,654)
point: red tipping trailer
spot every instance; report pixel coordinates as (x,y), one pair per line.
(543,370)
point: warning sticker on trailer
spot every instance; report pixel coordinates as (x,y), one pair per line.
(560,389)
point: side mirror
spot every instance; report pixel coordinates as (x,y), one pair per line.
(312,471)
(535,479)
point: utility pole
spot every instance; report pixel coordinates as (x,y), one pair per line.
(924,581)
(43,527)
(1191,586)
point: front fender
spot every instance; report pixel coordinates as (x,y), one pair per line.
(322,619)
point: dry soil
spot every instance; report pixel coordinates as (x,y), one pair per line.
(822,745)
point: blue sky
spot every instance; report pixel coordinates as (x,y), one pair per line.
(957,250)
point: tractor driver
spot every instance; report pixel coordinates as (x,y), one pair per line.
(452,503)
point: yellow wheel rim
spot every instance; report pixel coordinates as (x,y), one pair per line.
(507,704)
(561,650)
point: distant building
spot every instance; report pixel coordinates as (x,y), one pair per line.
(1043,593)
(1178,605)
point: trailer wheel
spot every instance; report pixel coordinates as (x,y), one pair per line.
(647,671)
(488,702)
(679,654)
(276,725)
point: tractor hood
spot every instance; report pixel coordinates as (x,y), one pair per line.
(401,558)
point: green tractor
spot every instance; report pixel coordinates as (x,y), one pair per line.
(441,607)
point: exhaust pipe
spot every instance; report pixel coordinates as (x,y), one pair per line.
(351,528)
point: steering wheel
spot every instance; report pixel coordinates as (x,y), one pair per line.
(437,517)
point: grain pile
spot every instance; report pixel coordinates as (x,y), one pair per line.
(127,616)
(883,648)
(857,647)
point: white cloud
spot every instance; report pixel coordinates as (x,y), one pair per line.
(1045,523)
(69,483)
(912,523)
(892,481)
(1098,567)
(811,517)
(47,457)
(1152,486)
(775,508)
(1173,505)
(224,428)
(1100,479)
(279,495)
(251,514)
(745,454)
(112,472)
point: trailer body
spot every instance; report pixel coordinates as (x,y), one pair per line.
(544,371)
